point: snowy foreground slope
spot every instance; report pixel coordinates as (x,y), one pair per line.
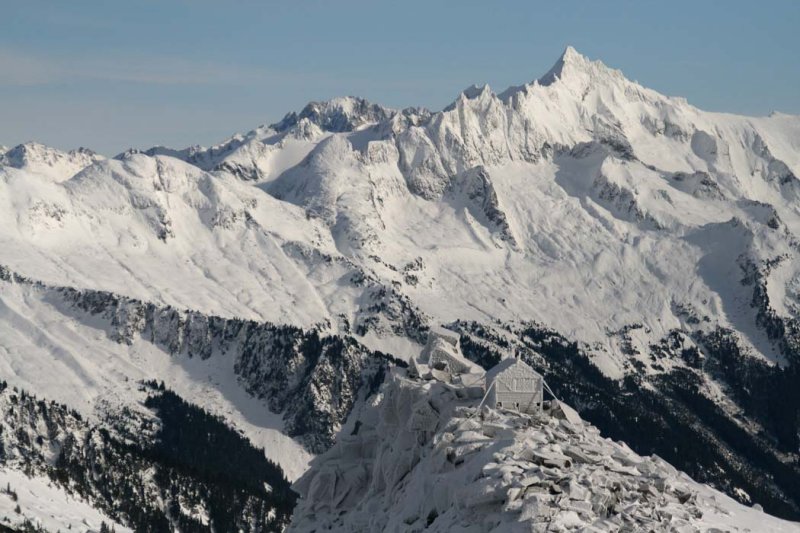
(48,506)
(640,253)
(423,457)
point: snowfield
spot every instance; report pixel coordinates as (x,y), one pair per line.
(69,357)
(46,505)
(581,192)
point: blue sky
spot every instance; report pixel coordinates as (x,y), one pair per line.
(111,74)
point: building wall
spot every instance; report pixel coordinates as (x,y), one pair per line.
(517,389)
(524,401)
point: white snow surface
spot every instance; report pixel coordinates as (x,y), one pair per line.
(45,161)
(581,200)
(47,505)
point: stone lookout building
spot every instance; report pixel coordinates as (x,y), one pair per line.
(442,359)
(513,384)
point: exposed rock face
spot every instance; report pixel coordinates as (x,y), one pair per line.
(423,458)
(338,115)
(312,380)
(475,188)
(622,201)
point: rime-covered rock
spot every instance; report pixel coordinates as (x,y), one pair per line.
(470,469)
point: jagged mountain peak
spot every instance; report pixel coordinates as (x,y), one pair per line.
(48,161)
(574,75)
(479,93)
(475,91)
(573,64)
(33,149)
(571,54)
(341,114)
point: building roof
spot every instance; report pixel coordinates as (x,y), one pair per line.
(505,364)
(570,414)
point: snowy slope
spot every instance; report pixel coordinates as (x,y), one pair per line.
(164,231)
(573,192)
(158,464)
(48,506)
(69,356)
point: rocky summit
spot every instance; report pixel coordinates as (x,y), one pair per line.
(426,456)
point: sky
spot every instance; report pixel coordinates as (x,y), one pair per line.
(110,75)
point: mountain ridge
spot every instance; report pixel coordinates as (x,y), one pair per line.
(440,157)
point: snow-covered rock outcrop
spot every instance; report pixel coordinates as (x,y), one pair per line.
(47,161)
(337,115)
(424,457)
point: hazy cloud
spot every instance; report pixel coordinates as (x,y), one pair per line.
(24,69)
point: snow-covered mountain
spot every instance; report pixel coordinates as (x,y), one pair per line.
(640,252)
(165,465)
(36,158)
(582,180)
